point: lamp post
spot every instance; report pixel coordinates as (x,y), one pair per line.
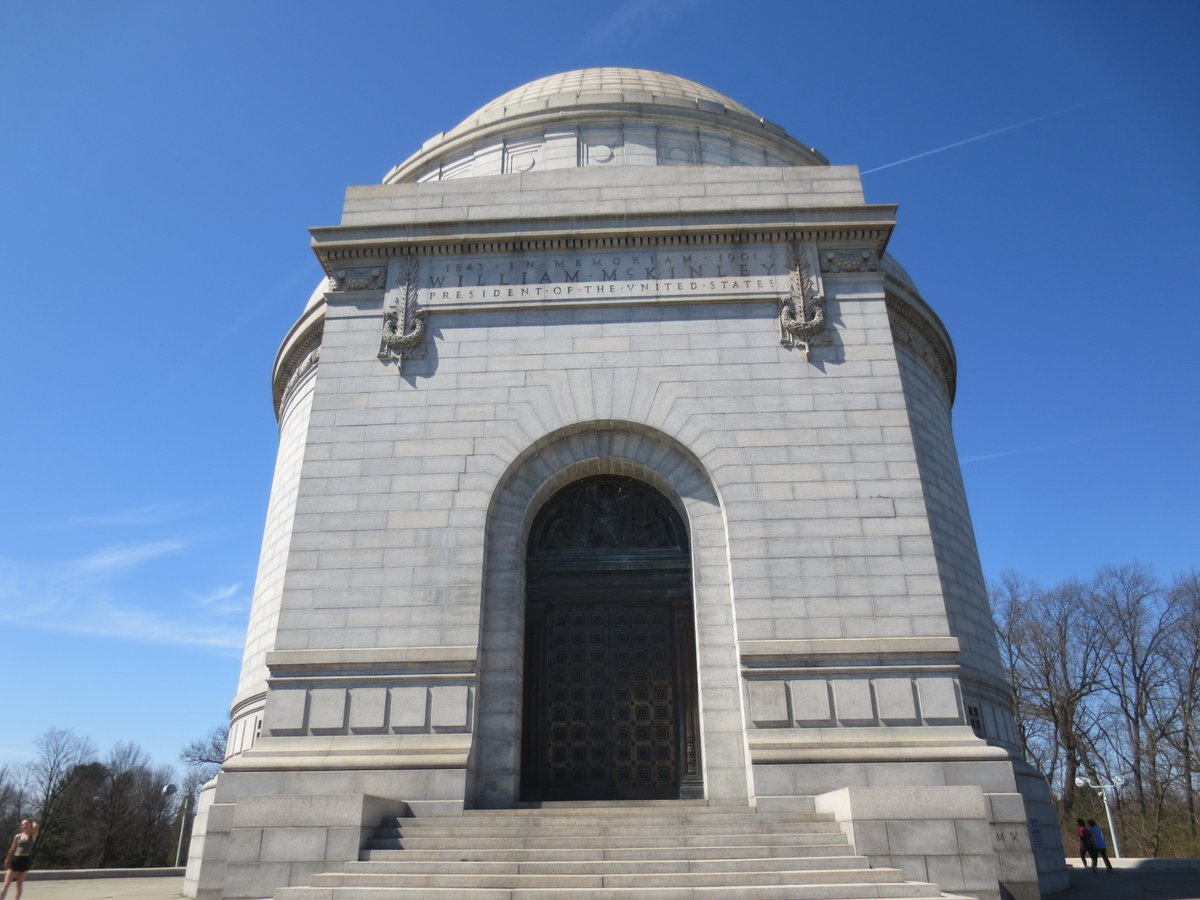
(184,803)
(1102,790)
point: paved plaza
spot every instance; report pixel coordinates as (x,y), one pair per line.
(161,888)
(1133,879)
(1130,881)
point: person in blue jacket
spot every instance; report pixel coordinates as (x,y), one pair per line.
(1099,847)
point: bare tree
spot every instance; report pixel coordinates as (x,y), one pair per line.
(202,759)
(12,801)
(118,801)
(113,813)
(1011,600)
(1063,667)
(153,820)
(1183,655)
(203,756)
(1105,677)
(60,751)
(1138,622)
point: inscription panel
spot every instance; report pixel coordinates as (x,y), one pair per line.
(654,274)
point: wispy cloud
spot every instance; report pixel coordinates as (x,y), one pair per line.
(151,514)
(106,617)
(86,596)
(218,594)
(640,16)
(124,557)
(150,626)
(227,600)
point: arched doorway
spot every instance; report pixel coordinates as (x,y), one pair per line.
(610,673)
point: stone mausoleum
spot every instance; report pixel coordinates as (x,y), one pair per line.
(617,544)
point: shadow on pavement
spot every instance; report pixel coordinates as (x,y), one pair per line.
(1132,884)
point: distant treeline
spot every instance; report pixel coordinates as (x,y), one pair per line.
(116,812)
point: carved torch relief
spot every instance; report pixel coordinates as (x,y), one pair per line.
(403,334)
(802,309)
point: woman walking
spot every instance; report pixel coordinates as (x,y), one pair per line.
(19,858)
(1086,839)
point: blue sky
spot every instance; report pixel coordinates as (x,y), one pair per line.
(161,163)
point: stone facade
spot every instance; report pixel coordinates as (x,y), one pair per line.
(621,274)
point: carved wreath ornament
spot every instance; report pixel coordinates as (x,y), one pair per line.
(802,310)
(403,324)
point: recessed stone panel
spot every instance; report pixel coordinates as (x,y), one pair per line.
(810,701)
(897,705)
(768,703)
(285,712)
(408,711)
(939,700)
(853,700)
(449,707)
(368,710)
(327,710)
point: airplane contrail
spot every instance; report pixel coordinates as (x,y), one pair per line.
(1088,438)
(981,457)
(986,134)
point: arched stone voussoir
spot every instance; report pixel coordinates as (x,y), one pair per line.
(574,452)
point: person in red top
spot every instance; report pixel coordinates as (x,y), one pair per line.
(1086,840)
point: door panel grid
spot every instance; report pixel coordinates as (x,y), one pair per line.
(609,725)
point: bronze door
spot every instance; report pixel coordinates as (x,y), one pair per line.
(609,701)
(607,723)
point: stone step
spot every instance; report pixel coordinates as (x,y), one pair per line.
(626,808)
(589,866)
(601,807)
(568,841)
(543,818)
(611,853)
(494,828)
(628,879)
(848,891)
(649,851)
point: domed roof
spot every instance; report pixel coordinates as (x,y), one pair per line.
(627,85)
(318,294)
(600,97)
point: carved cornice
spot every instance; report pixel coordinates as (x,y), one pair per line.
(913,331)
(306,365)
(365,279)
(302,359)
(856,260)
(338,247)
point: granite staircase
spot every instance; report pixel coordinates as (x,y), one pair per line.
(657,851)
